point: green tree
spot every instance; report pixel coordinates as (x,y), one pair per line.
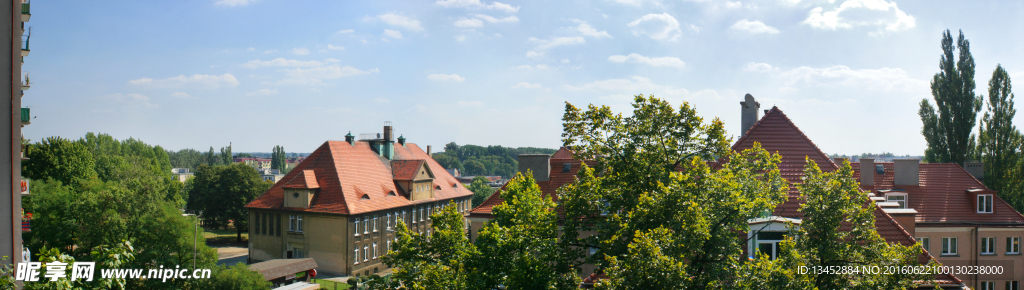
(948,130)
(656,188)
(439,261)
(234,277)
(474,167)
(998,137)
(211,158)
(60,159)
(225,155)
(220,193)
(481,191)
(519,248)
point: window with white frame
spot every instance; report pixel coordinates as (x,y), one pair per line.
(356,256)
(366,251)
(421,214)
(414,215)
(298,222)
(374,250)
(984,203)
(375,223)
(900,198)
(366,225)
(1012,285)
(356,226)
(948,246)
(403,217)
(924,243)
(988,285)
(1013,245)
(291,223)
(768,243)
(430,210)
(389,221)
(389,246)
(988,246)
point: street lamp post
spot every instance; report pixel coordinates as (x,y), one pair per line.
(195,234)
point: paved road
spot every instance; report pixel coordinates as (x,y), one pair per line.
(231,255)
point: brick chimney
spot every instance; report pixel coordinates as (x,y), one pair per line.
(867,171)
(749,113)
(975,168)
(540,164)
(907,172)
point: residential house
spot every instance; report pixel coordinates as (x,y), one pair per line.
(182,174)
(341,205)
(255,162)
(12,189)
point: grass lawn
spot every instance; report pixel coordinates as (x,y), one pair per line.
(331,285)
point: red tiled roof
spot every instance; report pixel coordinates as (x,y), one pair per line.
(405,169)
(562,153)
(345,173)
(777,134)
(306,179)
(941,196)
(549,188)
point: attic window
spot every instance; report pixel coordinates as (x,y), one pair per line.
(365,196)
(454,186)
(437,187)
(391,193)
(566,167)
(879,169)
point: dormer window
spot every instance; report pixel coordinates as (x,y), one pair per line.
(566,167)
(984,203)
(897,197)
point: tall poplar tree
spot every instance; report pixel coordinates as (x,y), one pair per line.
(998,138)
(948,129)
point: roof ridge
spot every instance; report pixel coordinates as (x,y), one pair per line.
(775,110)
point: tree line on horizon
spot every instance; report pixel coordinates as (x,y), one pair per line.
(493,160)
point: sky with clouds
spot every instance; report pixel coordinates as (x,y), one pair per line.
(260,73)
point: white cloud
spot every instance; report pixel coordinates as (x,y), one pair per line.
(193,81)
(759,67)
(233,3)
(262,92)
(251,49)
(271,51)
(651,61)
(733,5)
(281,62)
(477,4)
(657,26)
(472,22)
(300,51)
(332,47)
(638,2)
(393,33)
(444,77)
(345,31)
(545,44)
(470,104)
(883,79)
(180,95)
(526,85)
(632,85)
(130,99)
(491,19)
(401,21)
(332,60)
(588,30)
(565,60)
(460,38)
(884,15)
(316,75)
(754,27)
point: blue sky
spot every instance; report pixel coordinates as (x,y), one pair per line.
(259,73)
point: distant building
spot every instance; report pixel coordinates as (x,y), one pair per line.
(274,175)
(258,163)
(182,174)
(453,172)
(490,179)
(340,206)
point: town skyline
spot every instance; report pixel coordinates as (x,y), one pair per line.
(208,73)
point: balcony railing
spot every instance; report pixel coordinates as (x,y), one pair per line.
(25,83)
(25,7)
(24,42)
(26,115)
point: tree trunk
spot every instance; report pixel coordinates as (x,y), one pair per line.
(238,238)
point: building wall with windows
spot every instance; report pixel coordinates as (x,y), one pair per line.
(981,246)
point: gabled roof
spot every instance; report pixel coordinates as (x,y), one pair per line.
(306,179)
(406,169)
(549,188)
(346,173)
(941,196)
(777,134)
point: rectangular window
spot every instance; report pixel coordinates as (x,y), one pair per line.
(366,225)
(257,217)
(291,223)
(356,226)
(265,223)
(403,217)
(356,256)
(374,250)
(429,210)
(414,215)
(299,222)
(1012,285)
(1013,245)
(924,243)
(366,250)
(389,221)
(988,285)
(375,223)
(988,246)
(984,203)
(277,225)
(421,215)
(389,246)
(897,198)
(948,246)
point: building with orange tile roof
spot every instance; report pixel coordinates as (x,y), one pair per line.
(340,206)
